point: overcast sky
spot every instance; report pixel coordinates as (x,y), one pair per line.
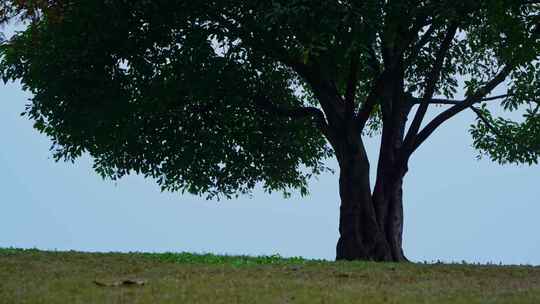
(457,208)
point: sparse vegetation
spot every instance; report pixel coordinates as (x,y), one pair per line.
(33,276)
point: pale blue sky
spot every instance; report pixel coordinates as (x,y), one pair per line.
(456,208)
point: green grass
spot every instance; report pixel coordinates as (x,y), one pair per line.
(33,276)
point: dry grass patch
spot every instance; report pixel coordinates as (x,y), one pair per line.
(32,276)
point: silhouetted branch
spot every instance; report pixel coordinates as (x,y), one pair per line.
(468,102)
(432,80)
(316,114)
(442,101)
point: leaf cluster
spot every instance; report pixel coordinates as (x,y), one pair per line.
(149,87)
(211,96)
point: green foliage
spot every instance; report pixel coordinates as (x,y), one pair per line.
(211,259)
(507,141)
(507,33)
(172,89)
(189,258)
(142,87)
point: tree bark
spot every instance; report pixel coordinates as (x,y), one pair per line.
(366,232)
(371,224)
(388,191)
(360,235)
(389,202)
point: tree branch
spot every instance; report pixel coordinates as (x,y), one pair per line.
(486,122)
(497,133)
(263,103)
(421,43)
(373,62)
(328,95)
(442,101)
(351,86)
(369,104)
(468,102)
(432,80)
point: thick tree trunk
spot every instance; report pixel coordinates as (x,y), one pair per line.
(389,203)
(388,192)
(371,224)
(360,235)
(364,234)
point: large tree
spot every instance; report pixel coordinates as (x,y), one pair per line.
(216,97)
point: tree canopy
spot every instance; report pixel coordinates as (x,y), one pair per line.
(216,96)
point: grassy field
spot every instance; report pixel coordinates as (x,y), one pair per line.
(32,276)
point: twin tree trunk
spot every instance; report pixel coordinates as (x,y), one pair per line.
(370,224)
